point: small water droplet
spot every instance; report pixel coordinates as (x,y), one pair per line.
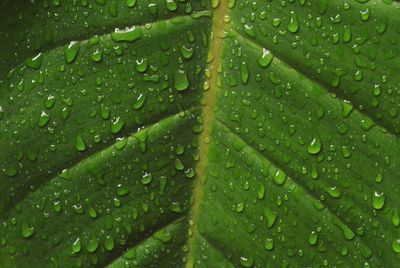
(315,146)
(139,102)
(266,58)
(146,178)
(293,25)
(71,51)
(80,143)
(35,62)
(76,246)
(43,119)
(396,245)
(378,200)
(279,177)
(269,244)
(171,5)
(181,81)
(313,238)
(27,231)
(129,34)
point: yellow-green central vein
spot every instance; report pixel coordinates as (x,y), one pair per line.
(213,62)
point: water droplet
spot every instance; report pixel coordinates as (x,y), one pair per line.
(146,178)
(396,245)
(246,261)
(109,243)
(10,171)
(35,62)
(334,192)
(378,200)
(313,238)
(80,143)
(116,125)
(113,8)
(395,217)
(27,231)
(122,190)
(276,22)
(181,81)
(261,192)
(175,207)
(96,55)
(141,65)
(49,102)
(179,165)
(131,3)
(279,177)
(92,245)
(71,51)
(214,3)
(269,244)
(129,34)
(43,119)
(152,8)
(239,207)
(244,72)
(270,216)
(348,233)
(266,58)
(187,53)
(140,100)
(364,14)
(76,246)
(315,146)
(171,5)
(347,34)
(293,25)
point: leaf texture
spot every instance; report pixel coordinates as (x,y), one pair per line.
(172,133)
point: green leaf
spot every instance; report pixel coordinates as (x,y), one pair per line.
(197,133)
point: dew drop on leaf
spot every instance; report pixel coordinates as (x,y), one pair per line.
(96,56)
(129,34)
(92,245)
(315,146)
(378,200)
(71,51)
(293,25)
(269,244)
(76,246)
(140,100)
(80,143)
(313,238)
(116,125)
(279,177)
(141,65)
(109,243)
(171,5)
(265,58)
(35,62)
(131,3)
(43,119)
(27,231)
(146,178)
(181,81)
(396,245)
(246,261)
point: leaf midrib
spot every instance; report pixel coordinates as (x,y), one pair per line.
(215,50)
(213,58)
